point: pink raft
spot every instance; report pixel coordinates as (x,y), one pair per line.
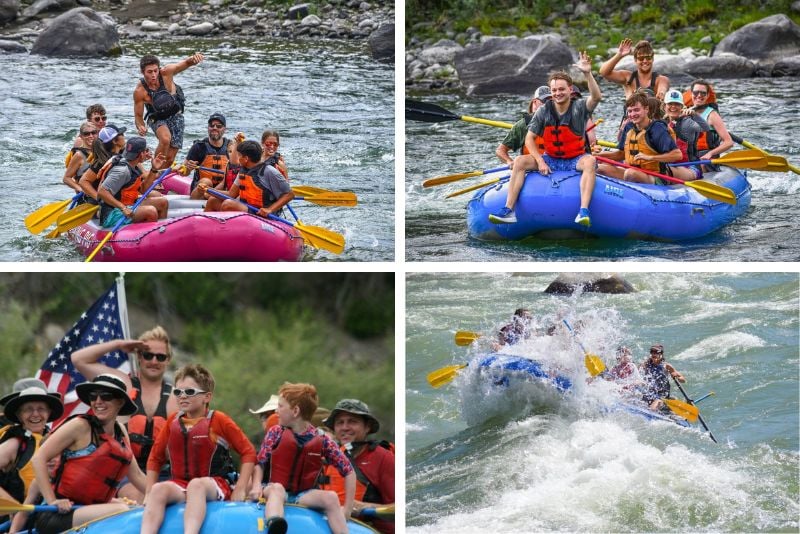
(194,236)
(175,183)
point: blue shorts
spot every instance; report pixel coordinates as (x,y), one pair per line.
(114,217)
(293,498)
(558,164)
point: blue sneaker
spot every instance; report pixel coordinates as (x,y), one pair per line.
(583,217)
(504,216)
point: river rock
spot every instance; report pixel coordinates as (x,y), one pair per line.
(8,10)
(231,21)
(568,283)
(41,6)
(12,47)
(311,20)
(204,28)
(443,51)
(511,65)
(381,43)
(80,32)
(789,66)
(769,40)
(150,26)
(721,66)
(297,12)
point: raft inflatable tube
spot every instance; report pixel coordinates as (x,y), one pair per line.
(189,234)
(547,207)
(221,518)
(175,183)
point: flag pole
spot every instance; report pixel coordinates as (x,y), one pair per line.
(122,302)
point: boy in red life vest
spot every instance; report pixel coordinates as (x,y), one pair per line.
(205,475)
(291,457)
(561,123)
(373,461)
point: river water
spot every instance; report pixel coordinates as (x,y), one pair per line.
(763,111)
(524,466)
(332,103)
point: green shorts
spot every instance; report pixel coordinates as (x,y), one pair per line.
(114,218)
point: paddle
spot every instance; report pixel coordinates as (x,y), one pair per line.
(73,218)
(308,190)
(10,506)
(699,417)
(119,225)
(318,236)
(380,512)
(681,409)
(439,180)
(421,111)
(445,375)
(47,215)
(465,338)
(748,144)
(331,198)
(707,189)
(478,186)
(593,363)
(741,159)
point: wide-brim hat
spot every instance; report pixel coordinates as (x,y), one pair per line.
(270,406)
(34,394)
(106,382)
(356,407)
(23,383)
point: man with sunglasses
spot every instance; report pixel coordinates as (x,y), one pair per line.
(153,394)
(210,152)
(656,373)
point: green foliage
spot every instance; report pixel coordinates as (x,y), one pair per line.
(698,10)
(19,356)
(369,318)
(648,15)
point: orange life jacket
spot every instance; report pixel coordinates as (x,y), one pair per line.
(192,452)
(296,467)
(93,478)
(130,191)
(636,142)
(216,158)
(709,139)
(249,189)
(559,140)
(141,430)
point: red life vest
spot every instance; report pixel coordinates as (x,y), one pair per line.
(559,140)
(710,139)
(365,490)
(93,479)
(230,175)
(143,431)
(192,452)
(296,467)
(249,189)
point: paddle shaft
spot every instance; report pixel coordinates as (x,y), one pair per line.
(748,144)
(133,208)
(699,417)
(575,336)
(651,173)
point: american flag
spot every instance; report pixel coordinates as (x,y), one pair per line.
(105,320)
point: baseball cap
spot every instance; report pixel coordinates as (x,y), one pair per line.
(110,132)
(673,96)
(542,93)
(217,117)
(134,147)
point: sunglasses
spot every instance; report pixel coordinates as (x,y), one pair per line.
(216,126)
(700,93)
(87,134)
(659,352)
(270,143)
(99,118)
(150,355)
(189,392)
(644,58)
(105,396)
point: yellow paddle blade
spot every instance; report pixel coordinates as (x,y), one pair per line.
(474,187)
(332,198)
(10,505)
(308,190)
(76,217)
(45,216)
(776,164)
(742,159)
(321,237)
(464,338)
(439,180)
(713,191)
(748,144)
(445,375)
(683,409)
(594,364)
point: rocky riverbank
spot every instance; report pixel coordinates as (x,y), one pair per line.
(372,23)
(491,65)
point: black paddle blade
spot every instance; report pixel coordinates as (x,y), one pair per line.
(420,111)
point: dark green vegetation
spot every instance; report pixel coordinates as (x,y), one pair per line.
(254,331)
(666,23)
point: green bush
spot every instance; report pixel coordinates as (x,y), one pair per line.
(369,318)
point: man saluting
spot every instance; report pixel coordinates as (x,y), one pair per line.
(162,98)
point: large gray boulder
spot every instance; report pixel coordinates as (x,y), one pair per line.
(11,47)
(8,10)
(442,52)
(381,43)
(42,6)
(80,32)
(568,283)
(511,65)
(721,66)
(767,41)
(789,66)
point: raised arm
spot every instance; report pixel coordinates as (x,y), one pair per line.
(584,65)
(607,69)
(85,359)
(174,68)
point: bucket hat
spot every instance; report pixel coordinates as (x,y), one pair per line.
(356,407)
(270,406)
(31,394)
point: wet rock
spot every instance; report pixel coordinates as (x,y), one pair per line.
(721,66)
(444,51)
(80,32)
(150,26)
(12,47)
(568,283)
(767,41)
(204,28)
(232,21)
(41,6)
(511,65)
(789,66)
(8,10)
(381,43)
(298,12)
(311,20)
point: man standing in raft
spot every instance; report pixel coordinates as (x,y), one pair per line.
(163,99)
(561,123)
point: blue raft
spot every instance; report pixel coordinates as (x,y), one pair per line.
(547,207)
(221,517)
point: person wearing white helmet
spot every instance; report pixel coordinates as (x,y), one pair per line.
(515,139)
(687,130)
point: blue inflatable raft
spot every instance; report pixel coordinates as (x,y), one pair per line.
(547,207)
(221,518)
